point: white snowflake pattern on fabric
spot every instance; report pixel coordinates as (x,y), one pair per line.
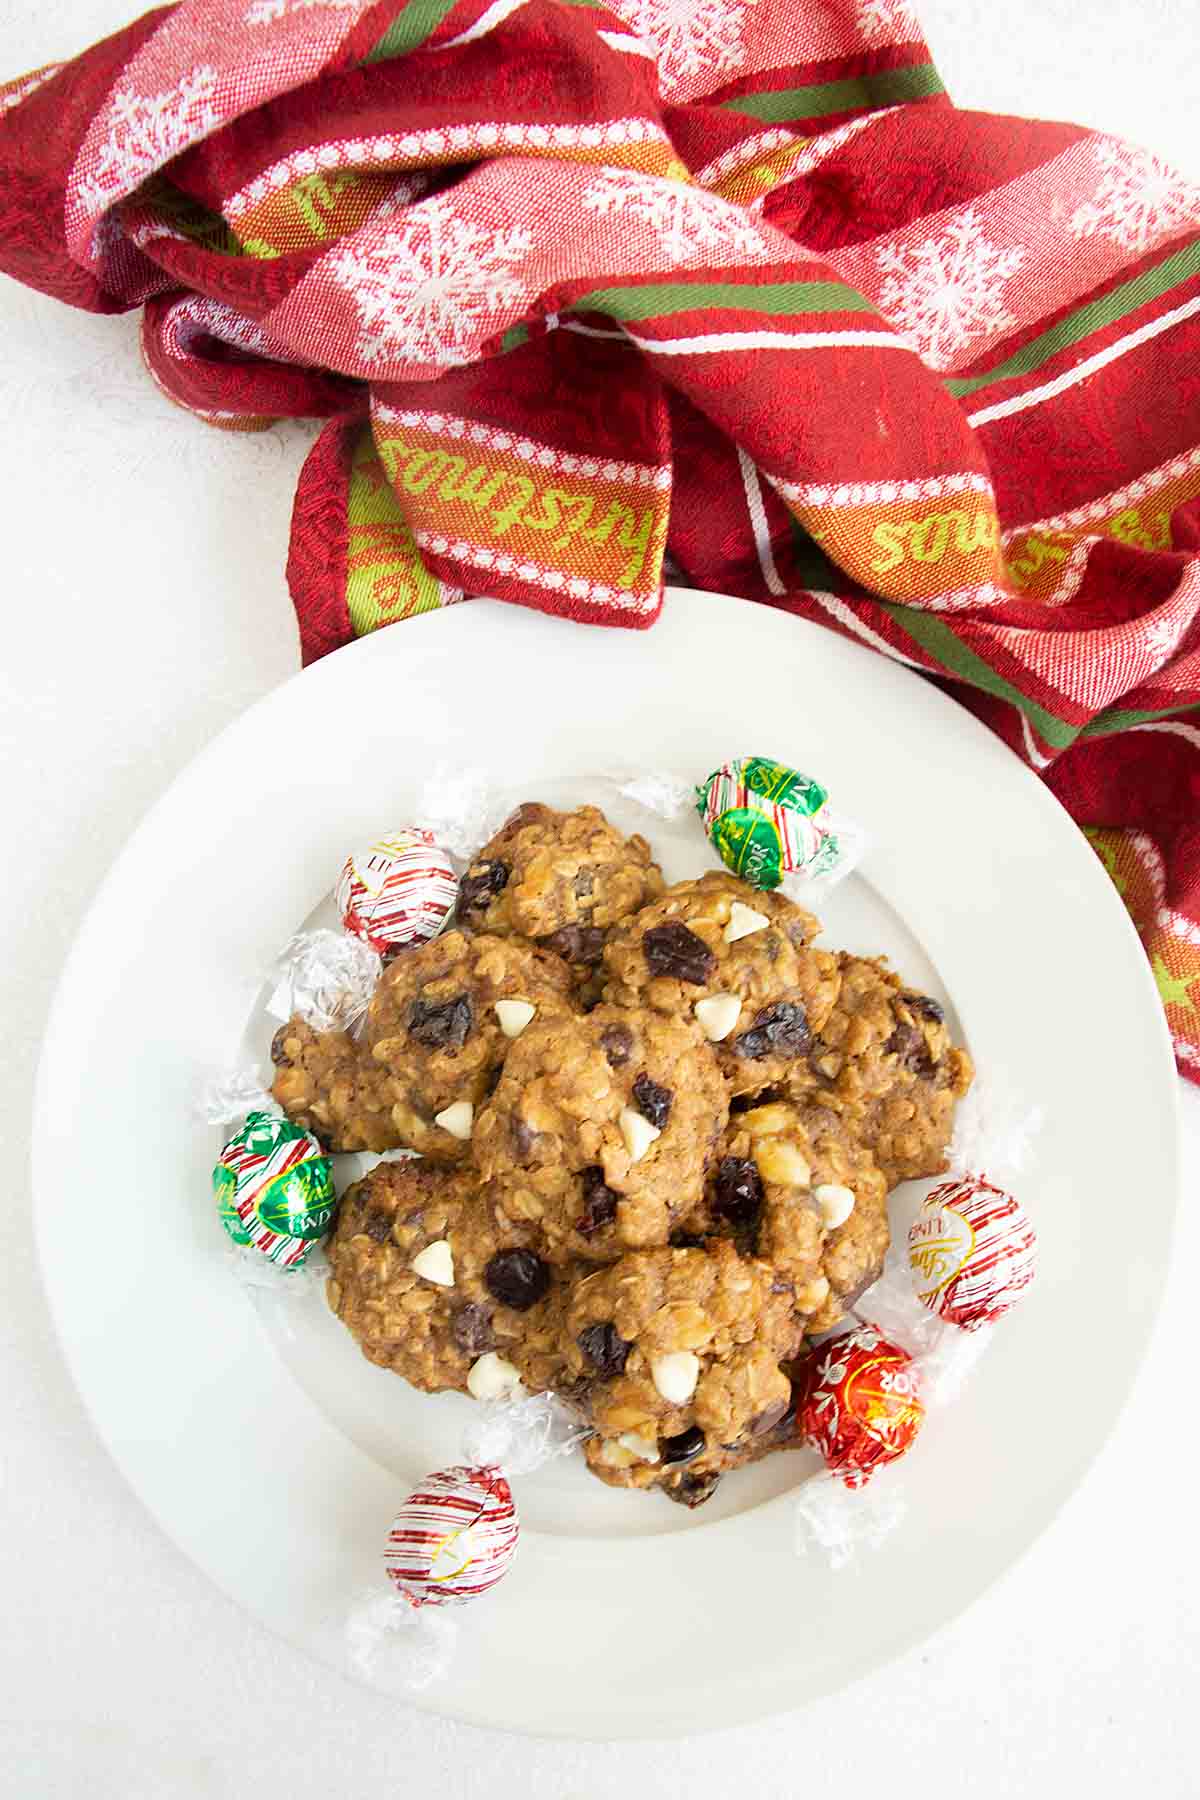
(691,37)
(1162,635)
(147,130)
(266,12)
(886,22)
(945,292)
(424,290)
(1140,199)
(688,220)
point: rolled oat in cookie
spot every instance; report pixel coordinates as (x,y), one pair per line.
(561,878)
(737,962)
(676,1353)
(430,1281)
(884,1060)
(601,1128)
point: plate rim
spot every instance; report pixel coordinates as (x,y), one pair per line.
(902,1637)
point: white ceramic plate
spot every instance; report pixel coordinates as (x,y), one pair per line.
(275,1455)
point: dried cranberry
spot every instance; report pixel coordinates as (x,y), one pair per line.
(616,1041)
(472,1328)
(517,1278)
(738,1191)
(605,1348)
(441,1024)
(685,1240)
(683,1446)
(692,1490)
(577,944)
(378,1225)
(674,950)
(779,1030)
(279,1055)
(924,1007)
(599,1201)
(908,1044)
(653,1101)
(481,884)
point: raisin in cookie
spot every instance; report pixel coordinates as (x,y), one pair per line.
(884,1060)
(736,960)
(563,879)
(439,1027)
(793,1185)
(432,1283)
(601,1129)
(676,1352)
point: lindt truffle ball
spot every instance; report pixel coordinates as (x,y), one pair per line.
(398,892)
(274,1189)
(972,1250)
(767,821)
(454,1538)
(859,1403)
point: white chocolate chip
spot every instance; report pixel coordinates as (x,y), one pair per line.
(638,1133)
(645,1449)
(435,1263)
(744,922)
(514,1015)
(781,1162)
(675,1375)
(717,1015)
(491,1377)
(458,1120)
(836,1203)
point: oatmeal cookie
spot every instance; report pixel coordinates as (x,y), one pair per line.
(884,1061)
(433,1046)
(676,1353)
(738,961)
(793,1185)
(429,1279)
(601,1128)
(563,879)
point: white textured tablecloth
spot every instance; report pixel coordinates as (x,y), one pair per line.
(145,607)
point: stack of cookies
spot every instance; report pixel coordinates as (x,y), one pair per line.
(656,1131)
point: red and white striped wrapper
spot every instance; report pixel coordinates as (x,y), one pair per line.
(454,1538)
(398,892)
(973,1251)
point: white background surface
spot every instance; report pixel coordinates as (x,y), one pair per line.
(145,607)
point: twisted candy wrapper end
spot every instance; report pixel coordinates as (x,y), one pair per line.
(944,1356)
(392,1641)
(995,1131)
(840,1522)
(326,978)
(228,1098)
(522,1435)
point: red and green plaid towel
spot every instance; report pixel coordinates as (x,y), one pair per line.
(577,286)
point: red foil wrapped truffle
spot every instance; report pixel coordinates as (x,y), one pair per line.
(859,1403)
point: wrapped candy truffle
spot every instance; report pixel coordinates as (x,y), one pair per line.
(454,1538)
(859,1403)
(768,822)
(398,892)
(973,1252)
(273,1186)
